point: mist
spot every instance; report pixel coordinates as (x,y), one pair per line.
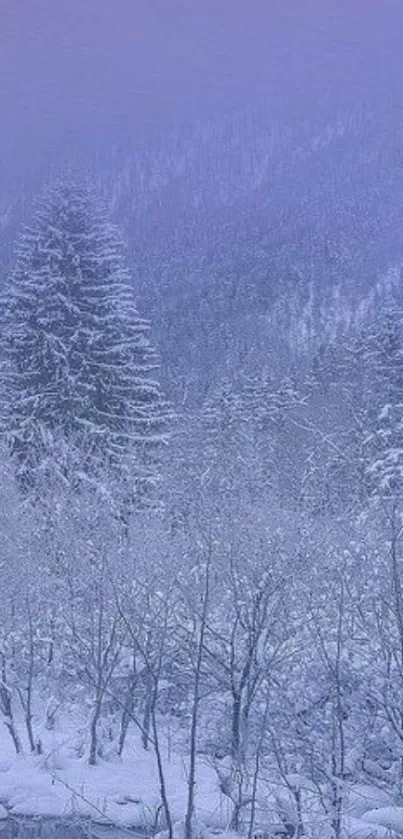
(85,75)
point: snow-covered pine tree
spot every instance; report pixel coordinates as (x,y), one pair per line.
(78,393)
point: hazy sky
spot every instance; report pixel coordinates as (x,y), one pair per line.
(84,72)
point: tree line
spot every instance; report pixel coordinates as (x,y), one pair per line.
(228,580)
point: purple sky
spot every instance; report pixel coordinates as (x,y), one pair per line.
(72,70)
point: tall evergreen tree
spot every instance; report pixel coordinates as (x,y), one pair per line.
(77,373)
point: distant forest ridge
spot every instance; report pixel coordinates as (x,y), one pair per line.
(251,231)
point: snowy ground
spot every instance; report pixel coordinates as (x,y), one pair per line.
(126,792)
(123,792)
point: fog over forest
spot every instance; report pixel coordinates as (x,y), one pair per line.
(201,419)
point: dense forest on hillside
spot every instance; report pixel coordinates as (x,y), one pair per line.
(202,474)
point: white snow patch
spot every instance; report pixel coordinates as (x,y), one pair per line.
(124,791)
(390,817)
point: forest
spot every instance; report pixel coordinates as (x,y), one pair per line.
(201,514)
(201,419)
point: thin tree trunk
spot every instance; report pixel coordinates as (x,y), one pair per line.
(145,733)
(236,725)
(28,709)
(7,708)
(258,755)
(128,708)
(338,757)
(25,695)
(196,699)
(92,760)
(161,776)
